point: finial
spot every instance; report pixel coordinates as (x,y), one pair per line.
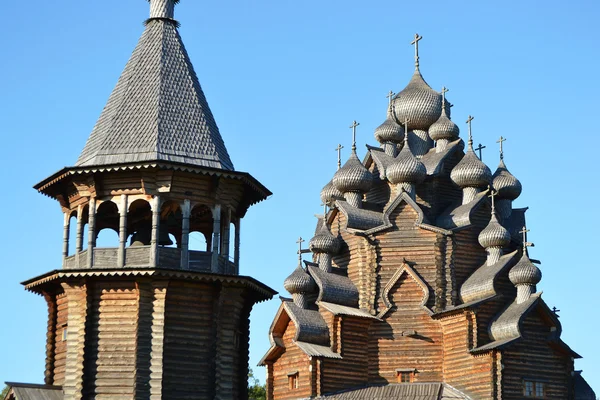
(162,8)
(390,96)
(526,244)
(339,151)
(479,148)
(406,121)
(416,43)
(444,91)
(300,241)
(501,141)
(353,127)
(470,133)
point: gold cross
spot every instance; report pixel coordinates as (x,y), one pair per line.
(416,43)
(470,134)
(339,151)
(353,127)
(479,148)
(389,96)
(501,141)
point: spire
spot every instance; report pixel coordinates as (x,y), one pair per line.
(353,127)
(415,42)
(157,111)
(339,151)
(162,8)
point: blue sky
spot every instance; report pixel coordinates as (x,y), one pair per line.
(284,80)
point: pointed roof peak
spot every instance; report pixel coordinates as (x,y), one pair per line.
(157,111)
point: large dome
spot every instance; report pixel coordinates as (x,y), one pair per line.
(353,176)
(471,171)
(505,183)
(494,234)
(299,282)
(525,272)
(406,168)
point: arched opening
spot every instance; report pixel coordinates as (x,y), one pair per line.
(201,227)
(171,218)
(107,225)
(72,233)
(85,216)
(232,236)
(139,223)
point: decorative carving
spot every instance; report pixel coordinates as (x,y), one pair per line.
(405,268)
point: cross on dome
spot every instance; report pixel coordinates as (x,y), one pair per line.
(416,43)
(470,133)
(162,8)
(501,141)
(339,151)
(406,121)
(526,244)
(480,148)
(389,96)
(353,127)
(300,241)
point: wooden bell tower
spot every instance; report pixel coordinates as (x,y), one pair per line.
(148,317)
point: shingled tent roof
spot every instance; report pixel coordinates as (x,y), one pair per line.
(157,111)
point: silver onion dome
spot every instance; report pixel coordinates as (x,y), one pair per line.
(329,193)
(406,168)
(418,102)
(389,131)
(471,171)
(525,272)
(505,183)
(353,176)
(444,128)
(494,234)
(299,282)
(324,242)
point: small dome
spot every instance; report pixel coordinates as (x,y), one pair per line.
(389,131)
(494,235)
(353,176)
(324,242)
(406,168)
(444,128)
(525,273)
(418,102)
(329,193)
(471,171)
(505,183)
(299,282)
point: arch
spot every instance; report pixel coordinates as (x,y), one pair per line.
(85,217)
(201,222)
(232,236)
(198,241)
(107,218)
(405,269)
(139,223)
(171,219)
(107,237)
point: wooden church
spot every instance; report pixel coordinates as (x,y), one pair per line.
(150,318)
(421,284)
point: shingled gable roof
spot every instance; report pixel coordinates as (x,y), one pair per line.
(157,111)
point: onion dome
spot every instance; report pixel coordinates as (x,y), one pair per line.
(505,183)
(389,131)
(494,234)
(525,272)
(444,128)
(353,176)
(418,102)
(471,171)
(324,242)
(406,168)
(329,193)
(299,282)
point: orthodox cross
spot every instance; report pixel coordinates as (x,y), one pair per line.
(353,127)
(501,141)
(389,96)
(493,194)
(406,121)
(300,241)
(444,91)
(479,148)
(416,43)
(339,151)
(556,311)
(470,134)
(526,244)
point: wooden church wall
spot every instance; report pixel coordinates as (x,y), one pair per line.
(60,345)
(468,254)
(462,370)
(350,338)
(292,361)
(532,358)
(189,312)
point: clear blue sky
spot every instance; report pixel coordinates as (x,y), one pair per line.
(284,80)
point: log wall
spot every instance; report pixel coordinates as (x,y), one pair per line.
(292,361)
(60,347)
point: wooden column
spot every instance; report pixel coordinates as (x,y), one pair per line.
(91,233)
(155,231)
(226,234)
(50,338)
(122,231)
(79,236)
(78,307)
(216,238)
(65,251)
(236,257)
(185,234)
